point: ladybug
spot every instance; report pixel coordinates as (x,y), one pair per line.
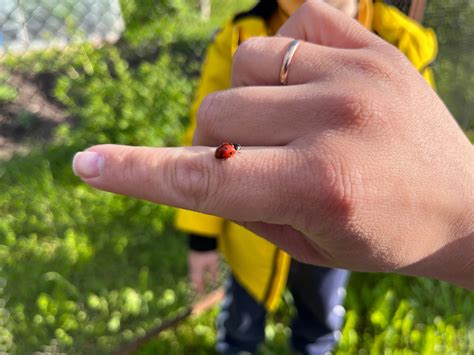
(227,150)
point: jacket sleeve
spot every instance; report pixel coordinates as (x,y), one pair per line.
(215,76)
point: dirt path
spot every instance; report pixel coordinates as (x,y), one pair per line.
(31,118)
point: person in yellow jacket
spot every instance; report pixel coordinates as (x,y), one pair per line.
(260,271)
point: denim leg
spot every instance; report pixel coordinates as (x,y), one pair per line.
(318,295)
(241,321)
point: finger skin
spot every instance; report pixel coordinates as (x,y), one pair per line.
(265,118)
(258,60)
(292,241)
(145,173)
(281,115)
(192,178)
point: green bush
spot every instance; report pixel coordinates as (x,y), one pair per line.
(7,93)
(144,106)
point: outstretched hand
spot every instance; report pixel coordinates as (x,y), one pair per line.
(356,163)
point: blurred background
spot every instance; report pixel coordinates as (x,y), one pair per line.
(83,271)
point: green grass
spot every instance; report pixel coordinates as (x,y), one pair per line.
(383,313)
(82,267)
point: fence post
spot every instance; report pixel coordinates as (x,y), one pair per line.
(417,10)
(205,9)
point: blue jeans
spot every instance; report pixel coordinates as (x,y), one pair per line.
(318,295)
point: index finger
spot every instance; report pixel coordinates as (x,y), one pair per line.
(245,187)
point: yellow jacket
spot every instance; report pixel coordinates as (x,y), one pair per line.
(257,264)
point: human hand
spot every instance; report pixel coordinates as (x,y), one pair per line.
(355,164)
(203,268)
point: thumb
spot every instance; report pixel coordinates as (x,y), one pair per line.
(320,23)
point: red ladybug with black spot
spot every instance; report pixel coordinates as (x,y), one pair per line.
(227,150)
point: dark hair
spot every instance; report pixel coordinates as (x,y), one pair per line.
(263,9)
(402,5)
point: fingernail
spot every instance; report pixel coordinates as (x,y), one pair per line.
(88,164)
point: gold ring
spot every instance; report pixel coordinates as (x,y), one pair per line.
(285,65)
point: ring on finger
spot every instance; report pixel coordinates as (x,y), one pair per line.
(285,65)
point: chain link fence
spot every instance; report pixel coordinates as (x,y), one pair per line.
(34,27)
(37,25)
(80,72)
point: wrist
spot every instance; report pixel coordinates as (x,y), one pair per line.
(459,255)
(449,251)
(454,262)
(465,239)
(462,272)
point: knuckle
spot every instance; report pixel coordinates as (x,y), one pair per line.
(376,66)
(309,9)
(246,49)
(207,118)
(277,185)
(190,179)
(204,112)
(130,170)
(356,108)
(359,110)
(250,48)
(337,191)
(335,188)
(127,169)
